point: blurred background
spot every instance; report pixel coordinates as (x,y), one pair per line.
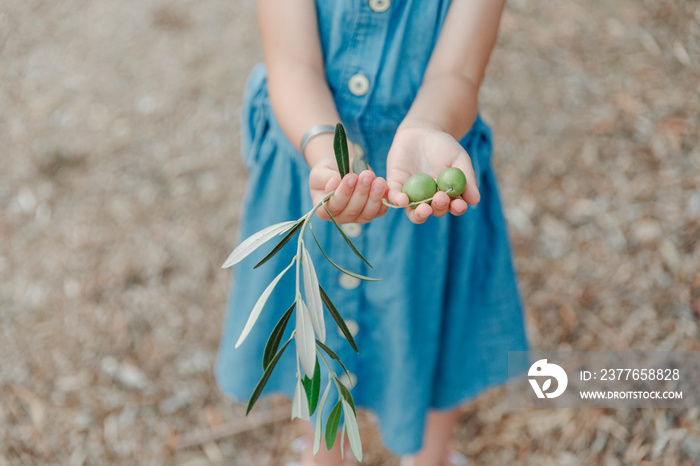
(121,184)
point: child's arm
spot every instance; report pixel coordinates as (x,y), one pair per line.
(301,99)
(445,107)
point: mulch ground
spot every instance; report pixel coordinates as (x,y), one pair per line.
(120,190)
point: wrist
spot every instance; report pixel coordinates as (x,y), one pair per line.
(319,150)
(313,132)
(418,124)
(447,103)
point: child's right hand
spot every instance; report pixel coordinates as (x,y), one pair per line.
(357,198)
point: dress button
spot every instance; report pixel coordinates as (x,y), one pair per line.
(379,5)
(348,282)
(348,381)
(353,230)
(358,84)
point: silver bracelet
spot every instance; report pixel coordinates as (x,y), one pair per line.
(312,133)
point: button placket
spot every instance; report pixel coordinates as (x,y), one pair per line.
(363,60)
(355,82)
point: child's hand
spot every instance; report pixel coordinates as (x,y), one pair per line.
(357,198)
(427,150)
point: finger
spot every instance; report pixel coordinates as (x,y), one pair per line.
(320,177)
(396,195)
(472,195)
(374,206)
(420,214)
(343,193)
(317,193)
(440,204)
(458,206)
(359,198)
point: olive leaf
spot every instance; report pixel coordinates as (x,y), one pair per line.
(345,271)
(309,318)
(305,340)
(256,240)
(313,296)
(318,429)
(359,165)
(266,376)
(340,147)
(347,240)
(353,429)
(344,393)
(257,309)
(333,356)
(290,234)
(332,424)
(300,402)
(312,387)
(342,442)
(275,338)
(338,318)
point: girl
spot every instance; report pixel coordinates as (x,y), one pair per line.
(403,77)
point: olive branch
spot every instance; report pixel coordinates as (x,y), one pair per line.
(309,333)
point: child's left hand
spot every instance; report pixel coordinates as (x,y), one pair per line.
(357,198)
(428,150)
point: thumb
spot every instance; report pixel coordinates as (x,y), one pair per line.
(322,181)
(320,175)
(332,183)
(396,195)
(471,194)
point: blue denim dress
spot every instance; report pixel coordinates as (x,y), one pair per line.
(436,330)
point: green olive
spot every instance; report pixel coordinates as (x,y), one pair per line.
(452,181)
(420,187)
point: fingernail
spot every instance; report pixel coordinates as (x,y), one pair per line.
(377,188)
(367,180)
(352,181)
